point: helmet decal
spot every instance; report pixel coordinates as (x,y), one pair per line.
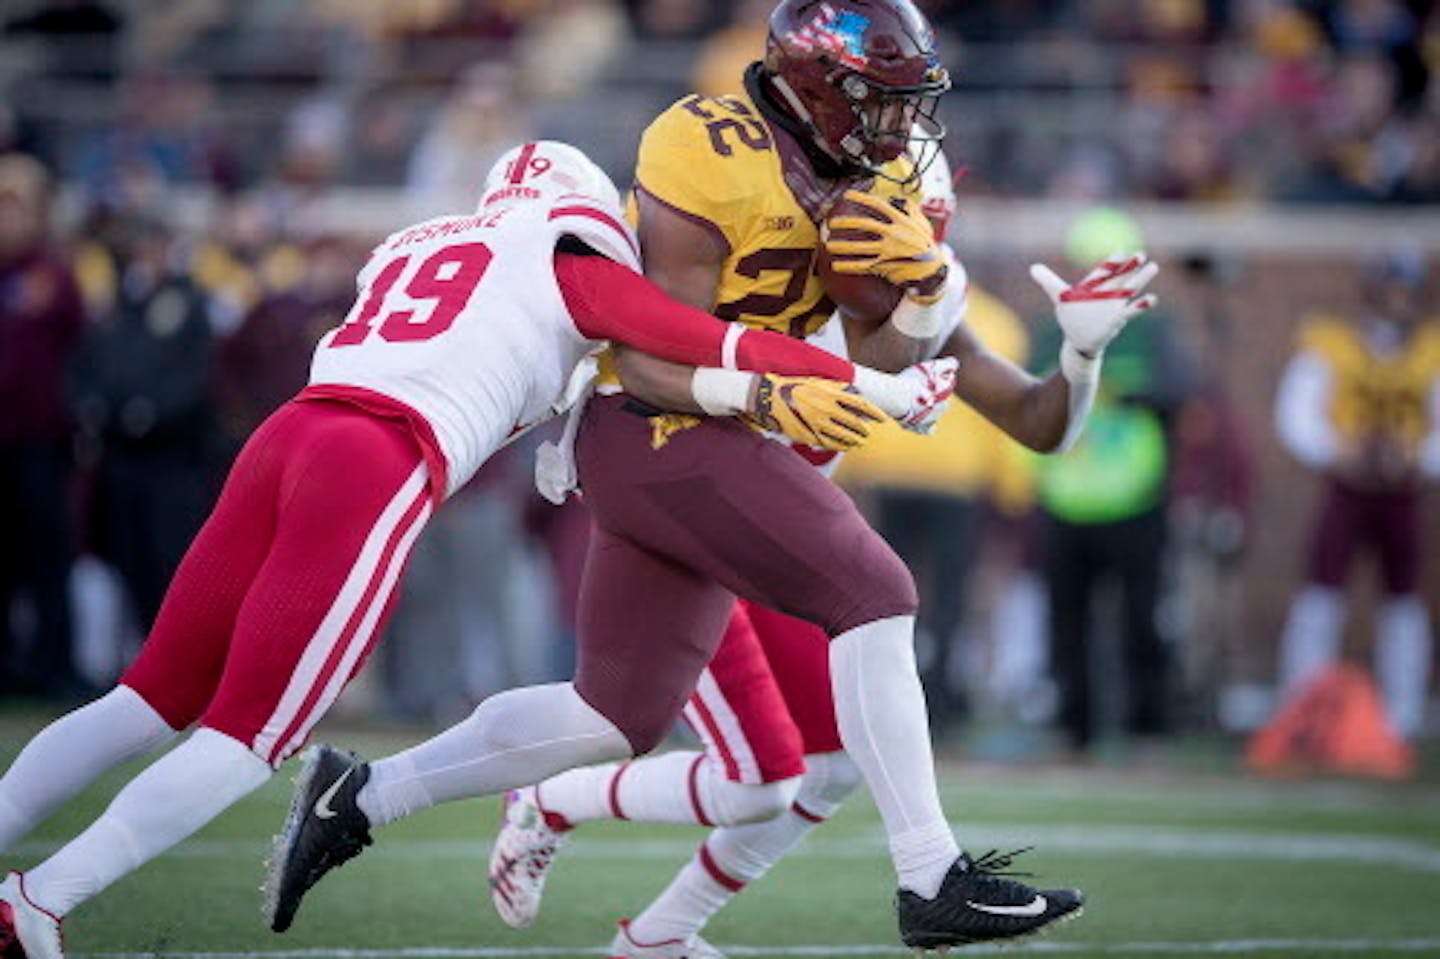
(526,164)
(840,32)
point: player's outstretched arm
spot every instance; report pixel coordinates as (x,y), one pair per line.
(1048,415)
(1033,412)
(810,410)
(610,302)
(1091,313)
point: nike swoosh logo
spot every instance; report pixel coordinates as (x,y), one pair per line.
(322,805)
(1032,908)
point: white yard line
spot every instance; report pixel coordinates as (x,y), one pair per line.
(1369,947)
(1013,785)
(1156,841)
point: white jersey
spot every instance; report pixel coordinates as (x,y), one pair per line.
(831,338)
(461,319)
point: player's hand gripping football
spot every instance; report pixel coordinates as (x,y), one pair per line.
(813,411)
(1093,311)
(894,241)
(934,385)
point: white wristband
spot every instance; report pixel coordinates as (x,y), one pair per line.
(1077,367)
(721,392)
(916,320)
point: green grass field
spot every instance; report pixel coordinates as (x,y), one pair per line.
(1178,859)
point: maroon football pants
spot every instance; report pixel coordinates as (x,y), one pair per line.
(718,511)
(1350,520)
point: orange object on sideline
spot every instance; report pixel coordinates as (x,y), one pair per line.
(1335,724)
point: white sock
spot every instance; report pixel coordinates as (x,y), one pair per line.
(692,897)
(580,795)
(1402,661)
(512,739)
(735,856)
(1311,640)
(881,711)
(71,753)
(174,797)
(677,787)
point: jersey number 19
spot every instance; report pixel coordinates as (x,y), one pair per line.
(447,278)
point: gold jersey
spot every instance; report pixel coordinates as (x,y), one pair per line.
(717,162)
(1384,394)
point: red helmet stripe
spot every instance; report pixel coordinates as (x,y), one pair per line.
(522,163)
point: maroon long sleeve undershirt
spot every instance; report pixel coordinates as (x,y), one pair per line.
(609,301)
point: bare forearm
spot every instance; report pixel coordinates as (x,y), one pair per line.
(724,392)
(1033,412)
(660,383)
(1039,417)
(886,348)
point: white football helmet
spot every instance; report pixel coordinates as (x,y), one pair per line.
(549,166)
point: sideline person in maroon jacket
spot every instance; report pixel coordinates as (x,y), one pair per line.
(41,317)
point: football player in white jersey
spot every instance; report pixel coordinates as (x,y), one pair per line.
(464,333)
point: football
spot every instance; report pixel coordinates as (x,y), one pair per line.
(860,296)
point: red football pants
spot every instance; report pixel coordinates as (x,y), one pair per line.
(281,596)
(765,701)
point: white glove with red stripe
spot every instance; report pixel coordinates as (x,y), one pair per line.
(1092,313)
(1095,310)
(934,384)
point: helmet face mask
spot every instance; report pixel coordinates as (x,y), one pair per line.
(861,76)
(894,122)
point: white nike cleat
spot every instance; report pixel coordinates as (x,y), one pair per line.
(26,930)
(625,947)
(520,859)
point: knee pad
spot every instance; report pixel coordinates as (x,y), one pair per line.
(734,804)
(552,713)
(829,780)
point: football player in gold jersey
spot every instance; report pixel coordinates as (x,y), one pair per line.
(690,512)
(1360,403)
(773,765)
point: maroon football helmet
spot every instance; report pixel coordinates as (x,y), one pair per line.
(861,76)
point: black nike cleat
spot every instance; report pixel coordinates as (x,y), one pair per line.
(977,904)
(324,829)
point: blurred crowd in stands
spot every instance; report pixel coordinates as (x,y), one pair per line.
(137,353)
(1212,100)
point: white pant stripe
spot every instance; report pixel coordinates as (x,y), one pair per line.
(363,632)
(318,649)
(728,728)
